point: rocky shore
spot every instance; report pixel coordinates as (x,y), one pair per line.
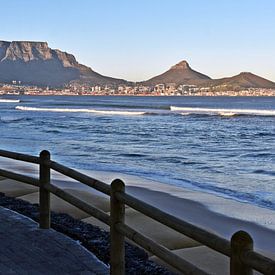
(91,237)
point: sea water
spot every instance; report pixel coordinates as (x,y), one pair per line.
(220,145)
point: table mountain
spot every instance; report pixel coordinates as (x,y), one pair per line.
(35,63)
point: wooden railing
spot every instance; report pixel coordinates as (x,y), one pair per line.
(240,248)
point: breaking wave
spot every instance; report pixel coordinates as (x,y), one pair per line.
(222,112)
(64,110)
(9,100)
(184,111)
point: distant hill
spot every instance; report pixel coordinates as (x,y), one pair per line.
(35,63)
(243,80)
(180,73)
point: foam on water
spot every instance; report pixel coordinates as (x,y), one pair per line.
(223,112)
(229,114)
(64,110)
(152,138)
(2,100)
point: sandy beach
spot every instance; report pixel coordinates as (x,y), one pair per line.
(219,215)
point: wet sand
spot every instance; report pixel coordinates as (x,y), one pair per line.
(219,215)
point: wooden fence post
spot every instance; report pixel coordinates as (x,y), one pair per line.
(241,242)
(117,252)
(44,195)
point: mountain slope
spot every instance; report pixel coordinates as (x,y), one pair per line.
(180,73)
(35,63)
(243,80)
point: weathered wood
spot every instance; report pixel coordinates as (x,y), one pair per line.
(246,259)
(19,177)
(96,184)
(259,262)
(18,156)
(44,194)
(207,238)
(241,242)
(117,261)
(162,252)
(91,210)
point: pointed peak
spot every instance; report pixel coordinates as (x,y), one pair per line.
(245,73)
(181,65)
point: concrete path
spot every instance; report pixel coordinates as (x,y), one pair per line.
(26,249)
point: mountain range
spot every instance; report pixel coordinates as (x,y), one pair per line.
(35,63)
(182,73)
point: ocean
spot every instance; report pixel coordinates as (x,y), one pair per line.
(220,145)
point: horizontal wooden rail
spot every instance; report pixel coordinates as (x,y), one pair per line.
(91,182)
(240,249)
(95,212)
(19,177)
(160,251)
(18,156)
(207,238)
(259,262)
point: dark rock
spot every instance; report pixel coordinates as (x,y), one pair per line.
(34,63)
(92,237)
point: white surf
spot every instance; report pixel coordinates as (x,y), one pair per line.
(223,112)
(64,110)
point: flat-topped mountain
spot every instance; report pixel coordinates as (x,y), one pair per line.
(180,73)
(243,80)
(36,64)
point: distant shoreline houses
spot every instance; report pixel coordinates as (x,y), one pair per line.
(170,89)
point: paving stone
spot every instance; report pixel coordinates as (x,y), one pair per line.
(26,249)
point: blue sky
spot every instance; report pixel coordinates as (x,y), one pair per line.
(137,39)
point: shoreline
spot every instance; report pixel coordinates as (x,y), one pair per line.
(141,95)
(215,214)
(209,211)
(192,192)
(202,209)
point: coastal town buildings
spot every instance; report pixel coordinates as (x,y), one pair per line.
(16,88)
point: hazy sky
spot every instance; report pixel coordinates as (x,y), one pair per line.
(137,39)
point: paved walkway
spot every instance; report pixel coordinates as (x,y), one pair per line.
(26,249)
